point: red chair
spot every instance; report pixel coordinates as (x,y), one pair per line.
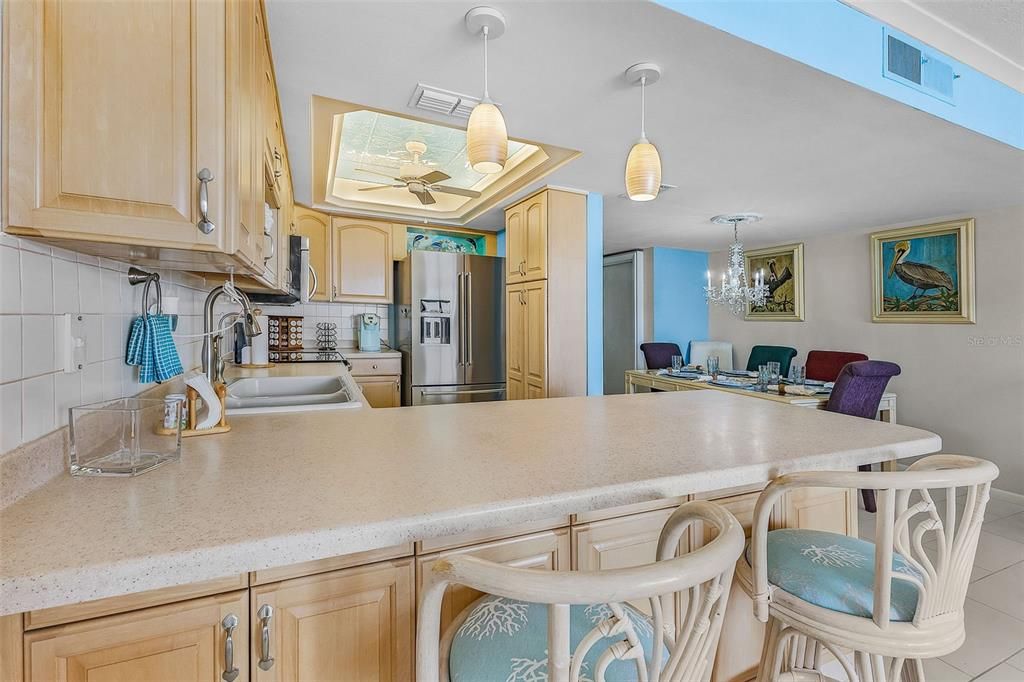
(824,365)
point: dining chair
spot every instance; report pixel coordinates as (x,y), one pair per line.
(857,392)
(700,350)
(894,602)
(762,355)
(824,365)
(576,626)
(659,355)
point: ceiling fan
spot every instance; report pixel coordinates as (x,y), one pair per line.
(418,178)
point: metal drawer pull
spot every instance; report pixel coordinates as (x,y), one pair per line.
(229,624)
(273,247)
(470,392)
(265,613)
(205,225)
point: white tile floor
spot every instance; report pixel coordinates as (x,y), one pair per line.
(994,612)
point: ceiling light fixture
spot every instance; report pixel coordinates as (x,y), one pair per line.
(643,165)
(486,135)
(736,290)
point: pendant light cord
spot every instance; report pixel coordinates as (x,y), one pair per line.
(487,95)
(643,107)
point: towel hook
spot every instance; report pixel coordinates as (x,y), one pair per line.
(138,276)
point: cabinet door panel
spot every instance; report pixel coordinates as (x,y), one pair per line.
(515,245)
(535,221)
(181,642)
(354,624)
(383,391)
(515,353)
(363,268)
(547,551)
(536,352)
(114,107)
(316,226)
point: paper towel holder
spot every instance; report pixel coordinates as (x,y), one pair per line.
(192,406)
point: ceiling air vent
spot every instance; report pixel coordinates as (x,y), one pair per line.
(441,101)
(914,64)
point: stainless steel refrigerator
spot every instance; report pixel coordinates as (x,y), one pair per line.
(450,319)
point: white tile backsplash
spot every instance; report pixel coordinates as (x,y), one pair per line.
(38,285)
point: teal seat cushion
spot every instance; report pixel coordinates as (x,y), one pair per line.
(504,640)
(836,572)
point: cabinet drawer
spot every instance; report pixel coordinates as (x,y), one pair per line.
(273,575)
(364,367)
(488,534)
(627,509)
(546,551)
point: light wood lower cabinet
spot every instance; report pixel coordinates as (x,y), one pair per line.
(383,391)
(356,624)
(548,551)
(527,349)
(176,643)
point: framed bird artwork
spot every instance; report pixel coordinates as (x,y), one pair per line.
(782,268)
(924,273)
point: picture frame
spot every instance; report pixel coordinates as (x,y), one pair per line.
(783,270)
(924,274)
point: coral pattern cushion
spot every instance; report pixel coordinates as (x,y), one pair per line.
(504,640)
(836,572)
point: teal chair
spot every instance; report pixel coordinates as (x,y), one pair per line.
(762,355)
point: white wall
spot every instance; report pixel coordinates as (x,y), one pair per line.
(964,382)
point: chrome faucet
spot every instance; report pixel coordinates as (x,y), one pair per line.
(213,365)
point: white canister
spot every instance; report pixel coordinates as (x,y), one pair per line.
(174,411)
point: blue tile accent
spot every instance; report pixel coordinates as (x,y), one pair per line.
(501,244)
(595,294)
(839,40)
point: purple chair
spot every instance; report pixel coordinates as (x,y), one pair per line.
(857,392)
(659,355)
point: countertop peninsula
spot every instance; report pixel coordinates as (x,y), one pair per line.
(285,488)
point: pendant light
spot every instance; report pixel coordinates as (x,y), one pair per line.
(486,135)
(643,165)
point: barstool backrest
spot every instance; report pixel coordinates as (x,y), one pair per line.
(909,516)
(687,595)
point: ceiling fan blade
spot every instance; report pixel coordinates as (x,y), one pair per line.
(425,197)
(433,176)
(472,194)
(373,172)
(370,189)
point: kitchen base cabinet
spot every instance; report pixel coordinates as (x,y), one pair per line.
(184,642)
(547,551)
(384,391)
(353,624)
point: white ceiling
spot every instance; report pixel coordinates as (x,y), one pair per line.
(739,128)
(999,24)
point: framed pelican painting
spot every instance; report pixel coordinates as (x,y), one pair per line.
(924,273)
(783,270)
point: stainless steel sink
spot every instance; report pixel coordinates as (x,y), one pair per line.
(260,395)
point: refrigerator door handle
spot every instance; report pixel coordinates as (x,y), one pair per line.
(467,392)
(460,304)
(469,318)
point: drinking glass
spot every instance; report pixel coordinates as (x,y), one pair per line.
(764,377)
(677,363)
(713,366)
(775,369)
(798,375)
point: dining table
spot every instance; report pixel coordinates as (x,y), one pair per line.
(660,380)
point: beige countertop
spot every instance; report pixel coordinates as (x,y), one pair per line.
(285,488)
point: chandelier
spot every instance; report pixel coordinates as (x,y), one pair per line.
(736,291)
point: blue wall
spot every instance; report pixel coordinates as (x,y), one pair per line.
(839,40)
(595,294)
(680,313)
(501,243)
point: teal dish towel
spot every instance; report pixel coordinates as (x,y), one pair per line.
(151,348)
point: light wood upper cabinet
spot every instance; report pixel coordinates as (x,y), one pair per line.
(526,239)
(362,263)
(114,107)
(317,227)
(183,642)
(353,624)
